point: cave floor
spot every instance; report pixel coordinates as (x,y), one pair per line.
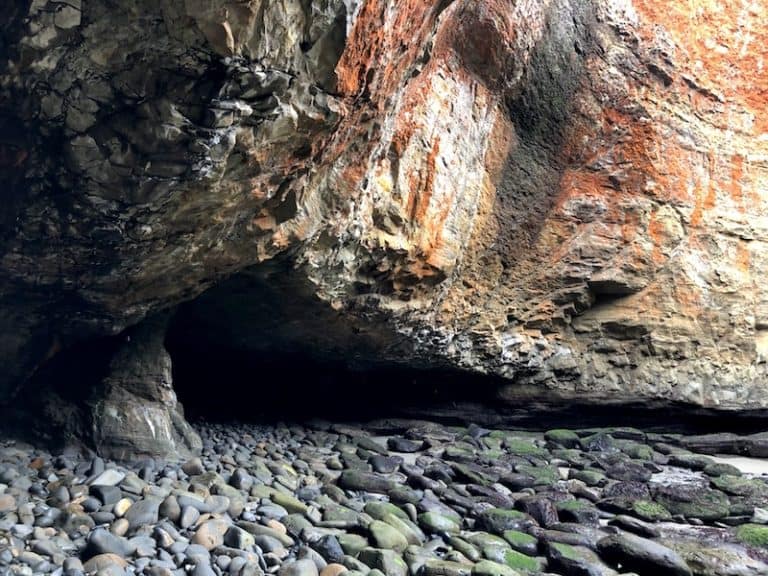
(394,497)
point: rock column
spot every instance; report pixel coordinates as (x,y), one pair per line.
(135,411)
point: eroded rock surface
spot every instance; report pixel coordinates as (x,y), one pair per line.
(567,194)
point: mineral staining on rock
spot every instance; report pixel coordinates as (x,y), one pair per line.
(566,194)
(307,501)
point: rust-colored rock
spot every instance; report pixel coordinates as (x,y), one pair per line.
(571,195)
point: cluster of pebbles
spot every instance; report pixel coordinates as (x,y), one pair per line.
(397,498)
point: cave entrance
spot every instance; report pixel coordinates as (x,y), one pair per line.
(262,347)
(221,384)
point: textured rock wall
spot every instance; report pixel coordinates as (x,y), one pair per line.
(568,194)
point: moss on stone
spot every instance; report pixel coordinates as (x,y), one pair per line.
(589,477)
(740,486)
(567,438)
(755,535)
(517,538)
(542,475)
(651,511)
(522,447)
(566,550)
(519,561)
(638,451)
(573,505)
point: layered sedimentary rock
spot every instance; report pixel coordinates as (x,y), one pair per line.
(570,195)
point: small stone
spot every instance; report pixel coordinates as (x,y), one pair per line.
(329,548)
(578,511)
(109,477)
(101,541)
(203,569)
(143,512)
(521,542)
(299,568)
(352,544)
(650,511)
(291,504)
(333,569)
(521,562)
(241,480)
(635,526)
(170,509)
(121,507)
(193,467)
(589,477)
(120,527)
(104,562)
(385,536)
(490,568)
(210,534)
(404,445)
(435,567)
(437,523)
(388,561)
(498,520)
(238,538)
(7,503)
(189,516)
(385,464)
(564,438)
(358,480)
(540,509)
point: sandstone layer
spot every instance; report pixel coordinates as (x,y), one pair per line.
(568,194)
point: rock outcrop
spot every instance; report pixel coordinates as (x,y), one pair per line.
(569,195)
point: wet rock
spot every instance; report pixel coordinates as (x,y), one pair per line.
(498,521)
(576,561)
(299,568)
(385,536)
(434,567)
(387,561)
(385,464)
(561,437)
(109,477)
(693,502)
(540,508)
(579,511)
(714,559)
(357,480)
(404,445)
(437,523)
(642,555)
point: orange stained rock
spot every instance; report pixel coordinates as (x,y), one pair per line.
(743,257)
(380,48)
(723,44)
(657,234)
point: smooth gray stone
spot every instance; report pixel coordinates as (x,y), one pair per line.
(642,555)
(189,516)
(102,541)
(109,477)
(143,512)
(299,568)
(106,494)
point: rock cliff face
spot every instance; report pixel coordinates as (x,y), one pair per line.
(570,195)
